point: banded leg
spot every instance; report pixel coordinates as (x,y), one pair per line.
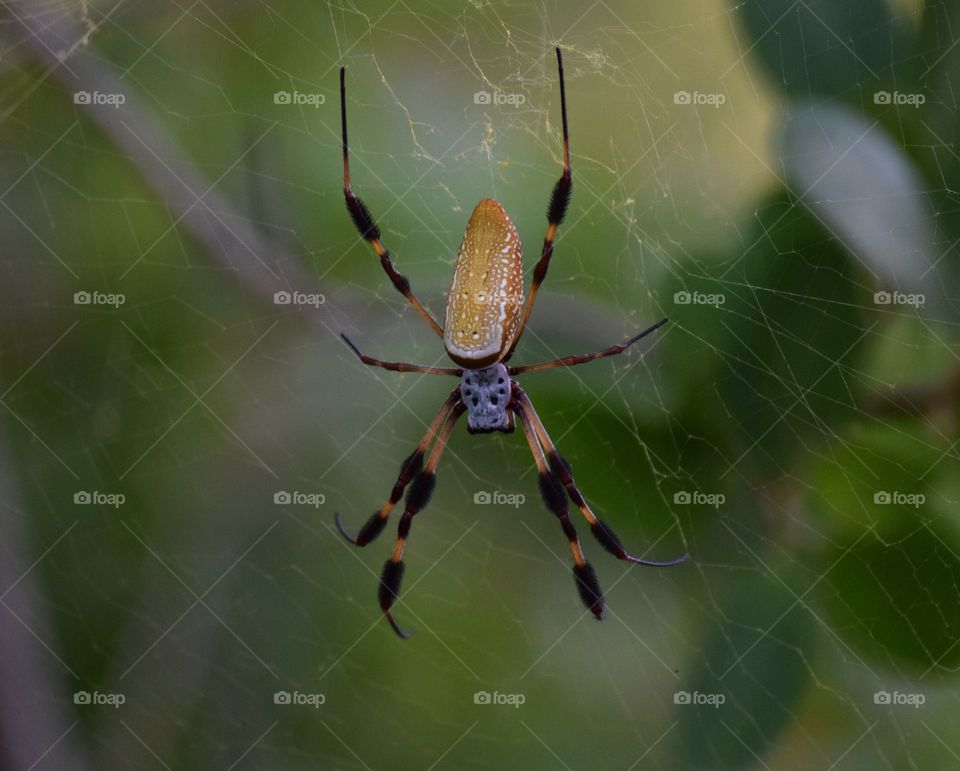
(554,498)
(561,471)
(408,470)
(399,366)
(583,358)
(365,224)
(557,210)
(417,500)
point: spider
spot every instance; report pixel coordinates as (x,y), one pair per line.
(485,318)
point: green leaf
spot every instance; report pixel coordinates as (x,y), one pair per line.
(827,47)
(893,595)
(787,328)
(871,462)
(891,592)
(867,195)
(756,664)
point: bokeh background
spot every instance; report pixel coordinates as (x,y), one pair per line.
(757,171)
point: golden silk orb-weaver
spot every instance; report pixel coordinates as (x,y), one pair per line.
(485,318)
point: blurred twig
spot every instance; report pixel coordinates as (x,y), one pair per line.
(918,400)
(163,166)
(34,719)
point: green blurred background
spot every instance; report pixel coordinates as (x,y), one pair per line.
(827,173)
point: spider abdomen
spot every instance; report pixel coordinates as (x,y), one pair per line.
(486,294)
(486,395)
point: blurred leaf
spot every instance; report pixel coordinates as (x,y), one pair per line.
(937,136)
(820,47)
(893,595)
(756,654)
(867,193)
(940,61)
(872,460)
(900,356)
(788,326)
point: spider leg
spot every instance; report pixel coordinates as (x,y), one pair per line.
(365,224)
(583,358)
(399,366)
(408,470)
(557,210)
(561,472)
(417,499)
(554,498)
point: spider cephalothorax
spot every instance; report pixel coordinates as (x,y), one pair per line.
(486,316)
(486,395)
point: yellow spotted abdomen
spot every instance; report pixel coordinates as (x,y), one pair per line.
(486,294)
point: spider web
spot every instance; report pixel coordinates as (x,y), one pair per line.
(734,170)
